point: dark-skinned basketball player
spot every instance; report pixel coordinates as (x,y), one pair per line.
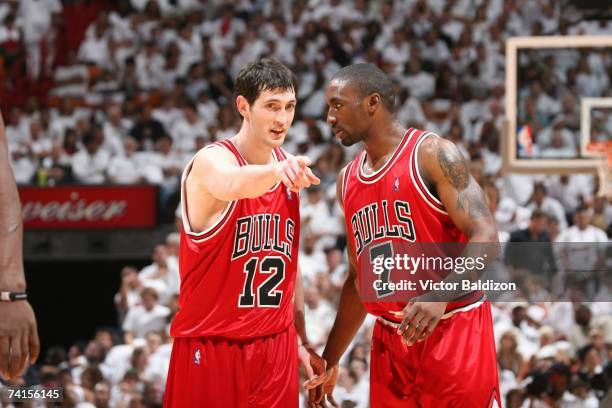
(424,353)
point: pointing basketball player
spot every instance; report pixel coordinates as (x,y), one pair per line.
(18,331)
(424,353)
(240,315)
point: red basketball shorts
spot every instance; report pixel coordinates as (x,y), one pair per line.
(455,367)
(254,373)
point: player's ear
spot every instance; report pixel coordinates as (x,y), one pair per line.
(373,103)
(243,106)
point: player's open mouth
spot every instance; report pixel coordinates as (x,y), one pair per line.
(277,132)
(338,133)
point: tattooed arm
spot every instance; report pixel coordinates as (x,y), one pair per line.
(447,176)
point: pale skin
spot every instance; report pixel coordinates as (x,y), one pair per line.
(216,179)
(356,118)
(18,331)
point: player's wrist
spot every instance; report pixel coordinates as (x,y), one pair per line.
(8,284)
(329,359)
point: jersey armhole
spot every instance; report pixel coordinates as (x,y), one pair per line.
(345,177)
(202,236)
(418,180)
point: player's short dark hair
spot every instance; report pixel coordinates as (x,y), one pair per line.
(369,79)
(265,74)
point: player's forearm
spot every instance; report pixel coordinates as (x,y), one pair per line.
(299,320)
(11,228)
(351,314)
(251,181)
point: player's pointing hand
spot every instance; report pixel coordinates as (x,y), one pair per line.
(296,174)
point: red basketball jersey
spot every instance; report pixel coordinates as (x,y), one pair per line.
(238,276)
(393,206)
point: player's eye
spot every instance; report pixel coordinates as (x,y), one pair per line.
(337,106)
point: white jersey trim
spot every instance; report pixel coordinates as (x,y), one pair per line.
(184,212)
(378,174)
(414,158)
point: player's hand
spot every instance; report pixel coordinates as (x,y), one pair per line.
(419,319)
(311,361)
(321,388)
(296,174)
(18,338)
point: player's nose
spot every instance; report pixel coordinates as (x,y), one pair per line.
(331,119)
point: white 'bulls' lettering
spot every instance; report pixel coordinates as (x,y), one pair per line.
(375,221)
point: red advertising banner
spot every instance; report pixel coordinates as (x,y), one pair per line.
(88,206)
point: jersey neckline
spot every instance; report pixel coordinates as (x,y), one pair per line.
(378,174)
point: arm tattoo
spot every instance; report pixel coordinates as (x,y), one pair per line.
(474,198)
(470,198)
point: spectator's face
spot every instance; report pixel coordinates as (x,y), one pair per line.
(102,395)
(153,342)
(539,195)
(160,254)
(148,301)
(583,219)
(35,129)
(129,146)
(358,367)
(92,146)
(105,339)
(583,315)
(270,115)
(557,141)
(508,343)
(334,258)
(347,113)
(538,225)
(518,315)
(558,382)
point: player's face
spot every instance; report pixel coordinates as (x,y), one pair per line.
(271,115)
(346,112)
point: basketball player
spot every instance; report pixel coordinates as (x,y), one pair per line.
(18,331)
(418,188)
(235,340)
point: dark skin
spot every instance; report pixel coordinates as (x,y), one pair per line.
(18,332)
(365,118)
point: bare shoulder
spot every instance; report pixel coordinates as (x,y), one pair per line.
(441,157)
(207,158)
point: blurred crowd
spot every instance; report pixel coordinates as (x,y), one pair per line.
(552,85)
(152,83)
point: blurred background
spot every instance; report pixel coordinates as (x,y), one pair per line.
(106,101)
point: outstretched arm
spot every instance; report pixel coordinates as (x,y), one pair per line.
(216,172)
(18,332)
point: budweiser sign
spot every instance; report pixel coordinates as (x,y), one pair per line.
(88,206)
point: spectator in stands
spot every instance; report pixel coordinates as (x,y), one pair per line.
(186,129)
(125,169)
(535,259)
(89,165)
(141,319)
(162,274)
(540,200)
